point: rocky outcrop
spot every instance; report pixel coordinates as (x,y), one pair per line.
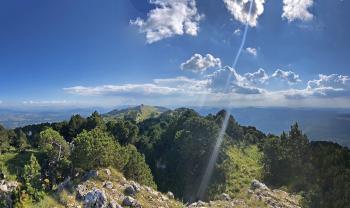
(106,189)
(258,193)
(7,189)
(95,198)
(273,198)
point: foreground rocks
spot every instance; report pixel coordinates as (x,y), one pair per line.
(6,191)
(106,189)
(257,193)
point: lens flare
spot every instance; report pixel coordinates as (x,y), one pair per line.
(210,167)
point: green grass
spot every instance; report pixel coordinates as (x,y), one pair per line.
(241,166)
(137,113)
(12,163)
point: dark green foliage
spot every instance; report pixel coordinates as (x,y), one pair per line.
(32,179)
(57,152)
(331,175)
(93,121)
(125,131)
(94,149)
(4,140)
(137,169)
(319,170)
(75,125)
(181,156)
(175,147)
(21,141)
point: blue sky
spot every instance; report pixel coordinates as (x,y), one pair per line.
(174,53)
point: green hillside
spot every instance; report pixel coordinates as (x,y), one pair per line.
(137,113)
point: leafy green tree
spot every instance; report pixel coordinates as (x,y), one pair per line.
(54,145)
(32,179)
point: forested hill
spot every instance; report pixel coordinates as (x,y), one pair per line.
(136,113)
(319,124)
(170,152)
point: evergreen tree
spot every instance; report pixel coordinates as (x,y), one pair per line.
(95,149)
(137,169)
(95,120)
(57,152)
(21,141)
(32,179)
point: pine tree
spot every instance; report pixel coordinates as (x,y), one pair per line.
(31,177)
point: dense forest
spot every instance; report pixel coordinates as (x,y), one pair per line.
(170,152)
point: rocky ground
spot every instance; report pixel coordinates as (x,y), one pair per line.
(107,188)
(258,195)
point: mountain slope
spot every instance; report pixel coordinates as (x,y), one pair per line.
(136,113)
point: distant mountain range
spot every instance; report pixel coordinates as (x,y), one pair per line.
(318,124)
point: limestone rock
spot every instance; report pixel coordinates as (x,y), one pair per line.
(131,202)
(108,184)
(258,185)
(95,199)
(130,190)
(170,195)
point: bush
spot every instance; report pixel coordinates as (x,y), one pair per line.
(137,169)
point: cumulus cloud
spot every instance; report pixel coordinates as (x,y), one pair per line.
(297,9)
(199,63)
(257,77)
(252,51)
(326,86)
(240,10)
(330,85)
(227,80)
(223,87)
(289,76)
(169,18)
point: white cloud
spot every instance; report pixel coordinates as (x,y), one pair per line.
(252,51)
(44,102)
(169,18)
(240,10)
(227,80)
(237,32)
(326,86)
(257,77)
(144,89)
(199,63)
(297,9)
(330,85)
(289,76)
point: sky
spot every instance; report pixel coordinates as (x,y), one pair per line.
(295,53)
